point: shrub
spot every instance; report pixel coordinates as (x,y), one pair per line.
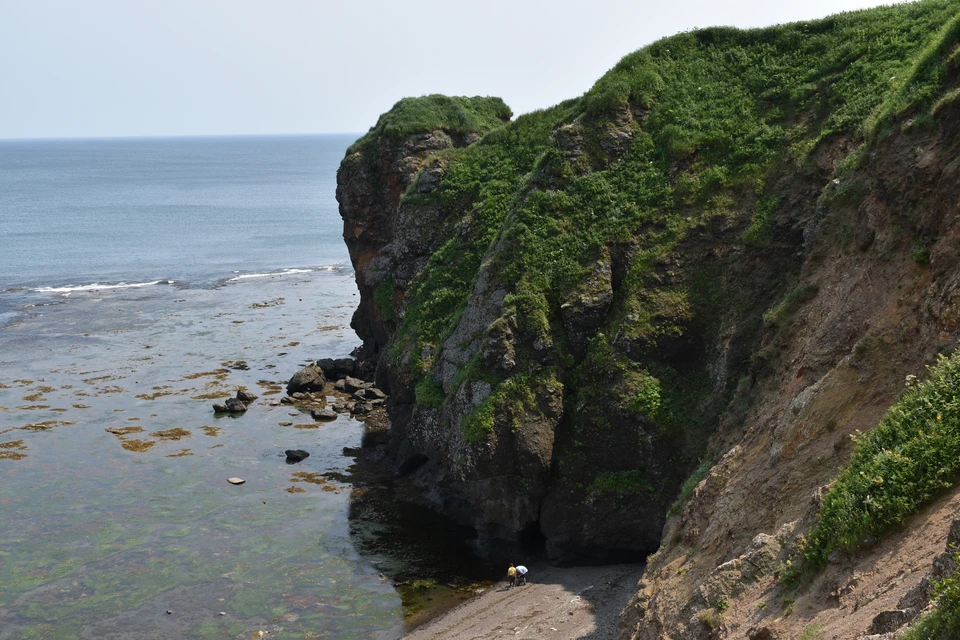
(943,622)
(801,295)
(909,459)
(686,489)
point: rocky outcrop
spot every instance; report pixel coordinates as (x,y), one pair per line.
(639,324)
(307,380)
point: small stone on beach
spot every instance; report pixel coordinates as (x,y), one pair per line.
(236,480)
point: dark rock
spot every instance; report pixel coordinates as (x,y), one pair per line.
(761,633)
(286,400)
(918,596)
(351,452)
(352,384)
(945,564)
(245,396)
(307,379)
(296,455)
(413,463)
(361,408)
(340,407)
(890,621)
(323,414)
(230,405)
(953,537)
(369,393)
(337,368)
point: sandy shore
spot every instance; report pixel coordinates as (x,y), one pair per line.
(579,602)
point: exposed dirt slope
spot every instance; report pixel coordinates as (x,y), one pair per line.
(879,314)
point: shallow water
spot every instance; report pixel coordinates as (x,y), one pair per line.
(114,501)
(97,539)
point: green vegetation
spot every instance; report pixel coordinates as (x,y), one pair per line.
(758,233)
(454,115)
(382,298)
(943,622)
(686,489)
(813,631)
(787,307)
(621,483)
(697,136)
(479,424)
(909,459)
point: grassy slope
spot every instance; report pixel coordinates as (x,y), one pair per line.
(732,105)
(724,112)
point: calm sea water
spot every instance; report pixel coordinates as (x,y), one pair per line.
(135,276)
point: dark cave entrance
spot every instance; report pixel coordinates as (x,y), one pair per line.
(532,540)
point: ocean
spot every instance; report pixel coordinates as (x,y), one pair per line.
(141,280)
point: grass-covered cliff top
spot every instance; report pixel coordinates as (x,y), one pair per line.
(703,130)
(454,115)
(716,114)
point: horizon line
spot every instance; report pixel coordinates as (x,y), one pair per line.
(175,135)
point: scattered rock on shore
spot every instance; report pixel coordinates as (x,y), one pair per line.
(236,480)
(230,405)
(352,384)
(323,414)
(338,367)
(307,379)
(362,408)
(296,455)
(245,396)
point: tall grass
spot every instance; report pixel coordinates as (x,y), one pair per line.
(906,461)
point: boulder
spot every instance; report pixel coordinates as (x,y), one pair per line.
(335,368)
(890,621)
(307,379)
(296,455)
(230,405)
(361,408)
(352,384)
(371,393)
(245,396)
(323,414)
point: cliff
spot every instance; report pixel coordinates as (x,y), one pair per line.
(649,319)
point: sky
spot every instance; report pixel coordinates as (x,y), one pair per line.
(92,68)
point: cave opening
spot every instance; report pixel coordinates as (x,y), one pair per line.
(532,540)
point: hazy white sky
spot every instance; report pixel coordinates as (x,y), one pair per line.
(188,67)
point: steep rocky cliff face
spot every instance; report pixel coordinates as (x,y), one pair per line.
(649,319)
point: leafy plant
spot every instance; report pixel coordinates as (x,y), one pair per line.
(943,622)
(906,461)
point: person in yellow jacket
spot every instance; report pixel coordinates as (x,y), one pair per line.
(512,575)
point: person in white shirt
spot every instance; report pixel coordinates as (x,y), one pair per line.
(521,574)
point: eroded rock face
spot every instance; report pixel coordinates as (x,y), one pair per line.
(381,243)
(505,421)
(831,371)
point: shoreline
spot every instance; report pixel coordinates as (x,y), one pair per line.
(563,603)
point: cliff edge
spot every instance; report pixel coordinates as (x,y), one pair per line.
(649,319)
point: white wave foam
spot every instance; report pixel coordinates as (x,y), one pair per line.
(283,272)
(96,286)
